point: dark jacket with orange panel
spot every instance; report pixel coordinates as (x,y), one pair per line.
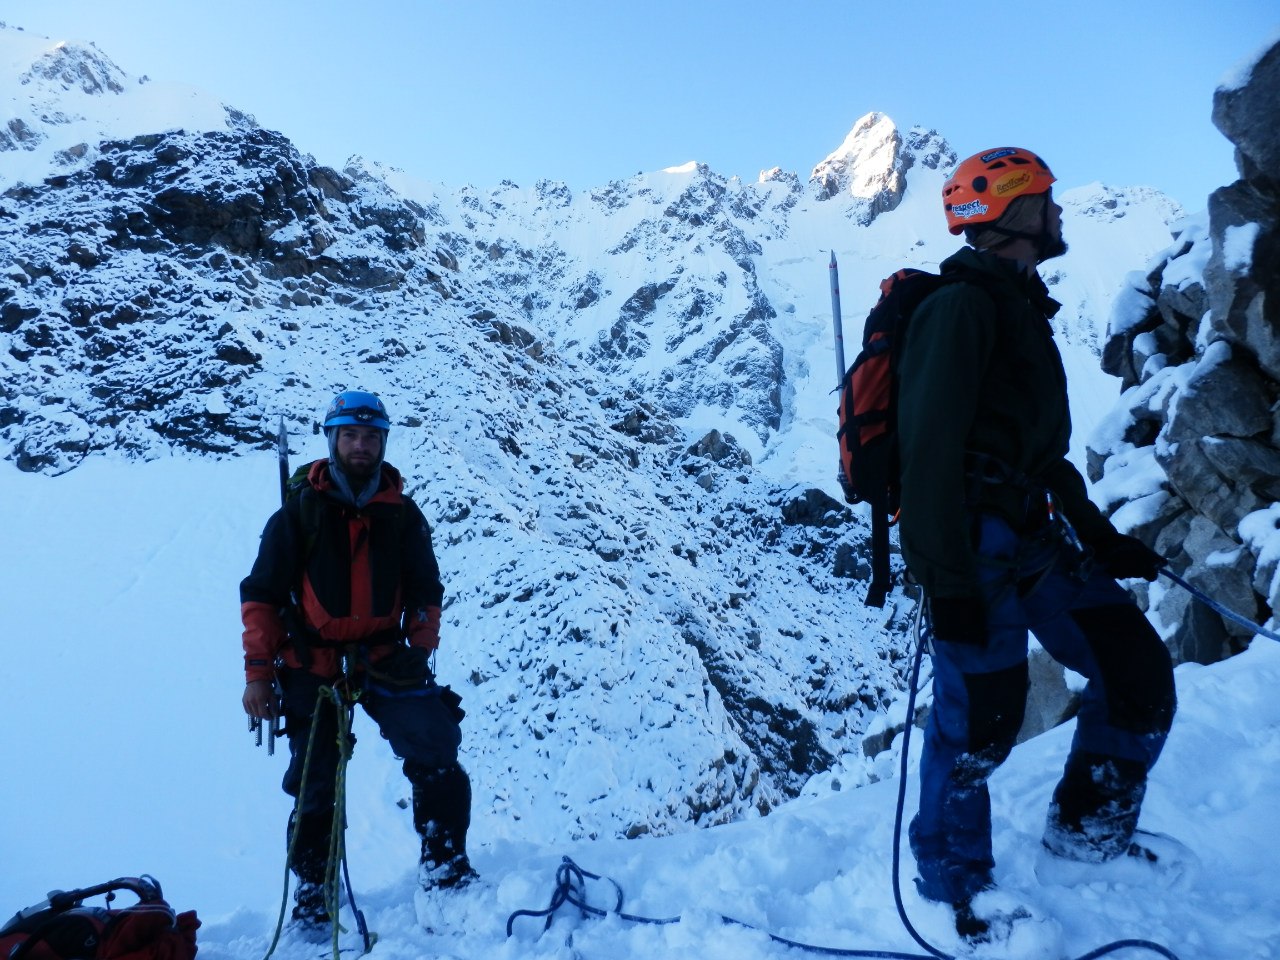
(337,577)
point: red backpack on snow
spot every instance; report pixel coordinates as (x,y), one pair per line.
(63,928)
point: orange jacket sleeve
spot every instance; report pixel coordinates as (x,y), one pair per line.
(264,635)
(424,629)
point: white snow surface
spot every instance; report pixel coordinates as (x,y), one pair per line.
(127,753)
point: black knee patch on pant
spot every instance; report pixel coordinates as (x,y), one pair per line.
(1137,671)
(997,702)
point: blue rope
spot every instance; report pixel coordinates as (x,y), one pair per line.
(1218,608)
(571,888)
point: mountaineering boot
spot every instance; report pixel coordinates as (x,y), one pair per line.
(969,925)
(1150,860)
(442,814)
(1095,808)
(993,916)
(309,842)
(310,919)
(442,868)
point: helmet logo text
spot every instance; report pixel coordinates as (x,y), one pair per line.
(997,154)
(1011,183)
(964,211)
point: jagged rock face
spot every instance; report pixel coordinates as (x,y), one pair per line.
(683,319)
(872,163)
(74,66)
(607,574)
(1196,342)
(138,272)
(685,314)
(1244,111)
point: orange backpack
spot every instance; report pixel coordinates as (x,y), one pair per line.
(868,413)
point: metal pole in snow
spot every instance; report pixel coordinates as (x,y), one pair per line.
(836,322)
(838,327)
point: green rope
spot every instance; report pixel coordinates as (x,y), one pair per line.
(337,834)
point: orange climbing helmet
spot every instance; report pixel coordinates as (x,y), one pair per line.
(981,188)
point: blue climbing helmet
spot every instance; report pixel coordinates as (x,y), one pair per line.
(357,408)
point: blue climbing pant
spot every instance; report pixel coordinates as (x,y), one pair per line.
(1036,583)
(420,727)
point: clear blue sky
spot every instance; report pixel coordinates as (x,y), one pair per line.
(587,91)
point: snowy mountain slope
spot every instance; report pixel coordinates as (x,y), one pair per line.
(563,490)
(715,304)
(615,408)
(215,282)
(60,99)
(136,759)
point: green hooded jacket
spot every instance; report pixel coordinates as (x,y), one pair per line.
(980,373)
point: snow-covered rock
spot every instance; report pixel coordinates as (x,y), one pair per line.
(614,406)
(1189,461)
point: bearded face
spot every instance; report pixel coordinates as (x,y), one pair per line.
(359,452)
(1051,242)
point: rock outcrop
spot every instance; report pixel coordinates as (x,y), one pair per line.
(1191,461)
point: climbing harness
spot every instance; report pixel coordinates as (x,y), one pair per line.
(343,700)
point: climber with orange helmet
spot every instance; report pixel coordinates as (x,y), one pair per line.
(995,189)
(997,527)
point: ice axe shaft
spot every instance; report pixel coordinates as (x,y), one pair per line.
(837,326)
(837,323)
(274,728)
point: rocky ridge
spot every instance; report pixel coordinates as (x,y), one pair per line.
(600,399)
(1191,462)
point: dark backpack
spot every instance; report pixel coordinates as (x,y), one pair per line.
(63,928)
(868,413)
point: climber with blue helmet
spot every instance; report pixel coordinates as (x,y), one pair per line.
(345,593)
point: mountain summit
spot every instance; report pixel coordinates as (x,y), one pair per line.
(871,165)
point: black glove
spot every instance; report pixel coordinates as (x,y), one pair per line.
(403,667)
(959,620)
(1122,557)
